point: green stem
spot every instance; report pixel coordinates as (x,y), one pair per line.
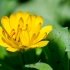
(21,60)
(25,58)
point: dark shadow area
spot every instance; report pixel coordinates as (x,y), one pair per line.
(23,1)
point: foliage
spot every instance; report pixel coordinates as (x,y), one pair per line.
(39,66)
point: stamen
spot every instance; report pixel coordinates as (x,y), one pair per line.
(21,23)
(27,27)
(37,34)
(7,39)
(45,35)
(3,32)
(19,29)
(12,33)
(39,26)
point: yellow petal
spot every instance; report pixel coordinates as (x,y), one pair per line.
(46,29)
(5,23)
(38,20)
(36,25)
(19,15)
(21,23)
(24,38)
(3,43)
(13,21)
(25,16)
(34,35)
(28,23)
(11,49)
(19,29)
(40,44)
(43,32)
(33,17)
(1,31)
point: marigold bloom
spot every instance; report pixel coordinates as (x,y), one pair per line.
(23,31)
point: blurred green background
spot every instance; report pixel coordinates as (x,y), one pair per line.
(57,52)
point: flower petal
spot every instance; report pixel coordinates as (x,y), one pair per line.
(13,21)
(28,23)
(36,25)
(19,15)
(1,31)
(19,29)
(43,32)
(38,20)
(46,29)
(5,24)
(3,43)
(25,16)
(24,38)
(39,44)
(21,23)
(33,17)
(11,49)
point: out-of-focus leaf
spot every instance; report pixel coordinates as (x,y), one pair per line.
(38,51)
(4,66)
(58,42)
(68,48)
(45,8)
(69,54)
(39,66)
(64,12)
(3,52)
(7,6)
(60,36)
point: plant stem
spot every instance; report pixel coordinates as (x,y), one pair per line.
(21,60)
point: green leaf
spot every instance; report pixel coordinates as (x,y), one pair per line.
(7,6)
(4,66)
(3,52)
(68,48)
(69,54)
(39,66)
(57,47)
(38,51)
(60,36)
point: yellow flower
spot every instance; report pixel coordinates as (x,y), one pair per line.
(23,31)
